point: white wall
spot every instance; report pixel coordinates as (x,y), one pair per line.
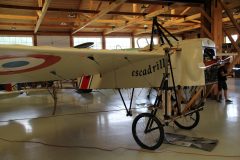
(56,41)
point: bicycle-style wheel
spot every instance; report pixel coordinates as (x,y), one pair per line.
(147,131)
(189,121)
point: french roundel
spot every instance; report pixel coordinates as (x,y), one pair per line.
(14,64)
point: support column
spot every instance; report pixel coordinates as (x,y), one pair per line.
(35,40)
(103,41)
(217,25)
(206,19)
(132,40)
(71,40)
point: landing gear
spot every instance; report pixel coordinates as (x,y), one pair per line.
(147,131)
(53,91)
(189,121)
(83,91)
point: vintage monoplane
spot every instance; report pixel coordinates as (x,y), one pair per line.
(167,67)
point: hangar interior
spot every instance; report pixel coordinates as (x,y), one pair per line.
(93,124)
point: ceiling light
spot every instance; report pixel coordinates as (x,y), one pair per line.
(63,23)
(145,27)
(72,15)
(144,6)
(113,27)
(13,28)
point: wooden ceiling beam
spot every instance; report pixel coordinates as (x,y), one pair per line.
(18,17)
(115,21)
(68,10)
(32,25)
(141,2)
(72,20)
(206,31)
(163,2)
(186,29)
(135,20)
(114,5)
(55,26)
(230,15)
(181,20)
(84,11)
(43,13)
(90,4)
(189,18)
(51,19)
(235,45)
(76,21)
(227,19)
(40,4)
(175,22)
(156,13)
(110,21)
(185,10)
(134,8)
(195,21)
(206,15)
(99,5)
(69,20)
(172,11)
(233,4)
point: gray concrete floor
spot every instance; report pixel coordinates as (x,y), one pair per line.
(95,126)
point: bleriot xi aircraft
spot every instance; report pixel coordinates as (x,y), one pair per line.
(168,67)
(111,68)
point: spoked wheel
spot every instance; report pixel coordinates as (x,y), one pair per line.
(188,122)
(147,131)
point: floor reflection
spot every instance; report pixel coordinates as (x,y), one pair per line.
(26,124)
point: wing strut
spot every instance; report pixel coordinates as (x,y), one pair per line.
(128,110)
(164,87)
(161,33)
(53,91)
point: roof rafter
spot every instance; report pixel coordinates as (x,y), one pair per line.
(185,10)
(48,19)
(163,2)
(17,17)
(54,26)
(43,13)
(40,4)
(100,14)
(137,20)
(186,29)
(175,22)
(68,10)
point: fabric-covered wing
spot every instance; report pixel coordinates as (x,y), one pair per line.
(28,64)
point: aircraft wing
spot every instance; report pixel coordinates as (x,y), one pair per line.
(41,63)
(110,68)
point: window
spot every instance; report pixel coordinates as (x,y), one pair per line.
(96,40)
(141,42)
(235,37)
(118,43)
(16,40)
(55,41)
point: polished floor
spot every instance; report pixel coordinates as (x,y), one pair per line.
(95,126)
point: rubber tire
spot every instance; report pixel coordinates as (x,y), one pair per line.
(134,132)
(83,90)
(191,126)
